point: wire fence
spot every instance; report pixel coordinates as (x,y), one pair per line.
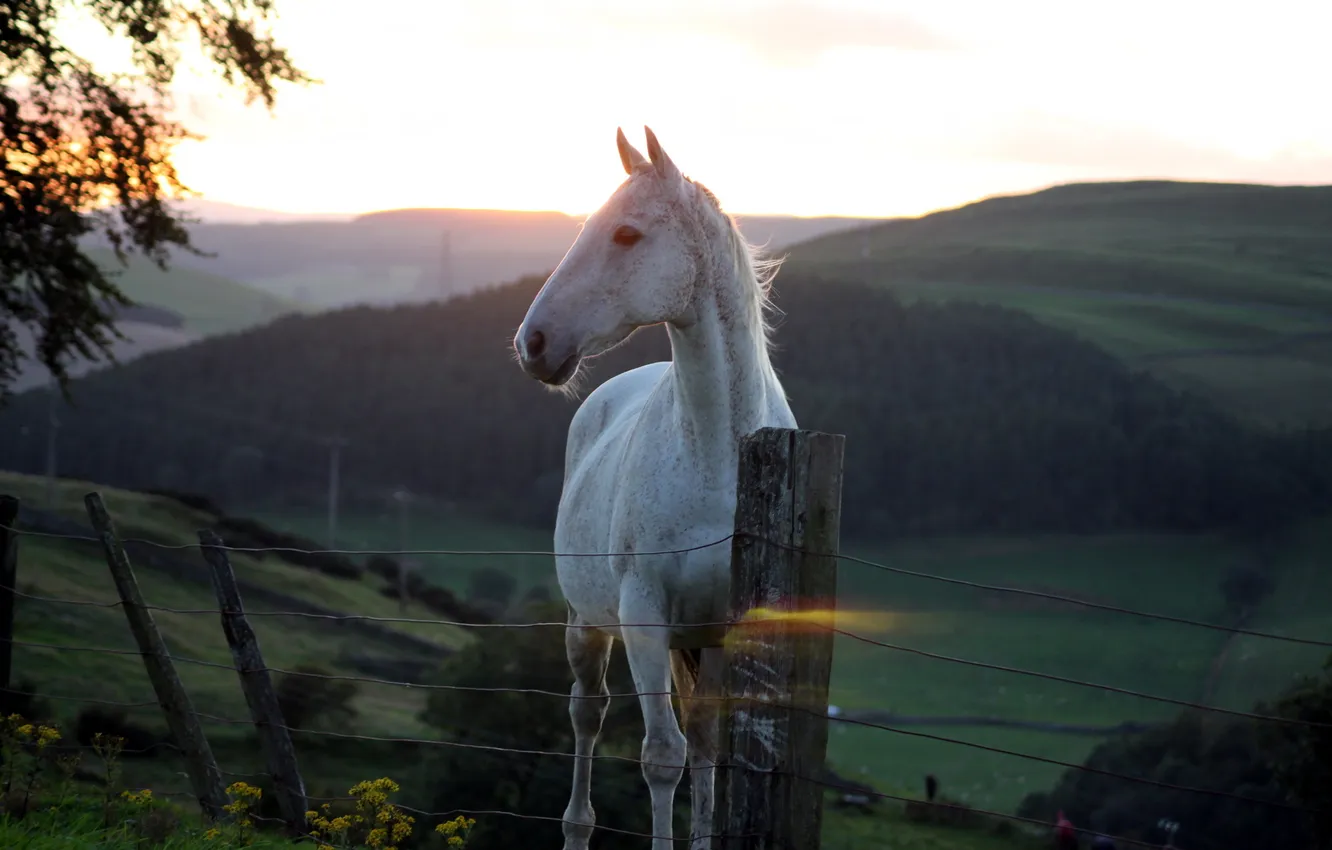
(848,721)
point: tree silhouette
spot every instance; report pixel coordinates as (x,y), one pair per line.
(85,153)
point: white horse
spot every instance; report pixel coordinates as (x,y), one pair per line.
(650,464)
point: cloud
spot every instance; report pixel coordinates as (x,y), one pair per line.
(781,32)
(796,33)
(1047,139)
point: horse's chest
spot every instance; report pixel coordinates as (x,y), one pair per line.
(664,521)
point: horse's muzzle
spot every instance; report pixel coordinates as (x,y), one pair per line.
(556,377)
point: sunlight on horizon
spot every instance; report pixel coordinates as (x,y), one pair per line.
(850,107)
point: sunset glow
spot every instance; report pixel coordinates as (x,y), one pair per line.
(856,107)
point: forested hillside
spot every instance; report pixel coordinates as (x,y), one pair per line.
(1224,289)
(959,418)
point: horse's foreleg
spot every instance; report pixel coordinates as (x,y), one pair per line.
(701,731)
(589,654)
(664,745)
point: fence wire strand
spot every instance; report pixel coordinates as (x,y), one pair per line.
(432,686)
(489,748)
(432,742)
(478,553)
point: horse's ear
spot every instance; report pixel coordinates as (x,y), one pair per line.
(660,160)
(630,158)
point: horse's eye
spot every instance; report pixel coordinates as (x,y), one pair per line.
(626,235)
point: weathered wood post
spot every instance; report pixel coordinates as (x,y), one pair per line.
(9,508)
(171,694)
(258,687)
(773,730)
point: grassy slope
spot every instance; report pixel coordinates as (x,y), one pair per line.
(1175,575)
(82,830)
(1209,286)
(208,302)
(76,570)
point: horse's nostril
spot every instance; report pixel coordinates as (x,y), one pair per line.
(536,343)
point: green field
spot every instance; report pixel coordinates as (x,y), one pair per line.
(1222,289)
(1172,575)
(75,570)
(209,303)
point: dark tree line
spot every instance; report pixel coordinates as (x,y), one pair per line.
(1275,764)
(959,418)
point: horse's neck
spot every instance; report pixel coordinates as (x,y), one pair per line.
(720,371)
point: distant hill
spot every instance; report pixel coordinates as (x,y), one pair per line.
(934,401)
(400,256)
(218,212)
(171,308)
(1221,288)
(207,303)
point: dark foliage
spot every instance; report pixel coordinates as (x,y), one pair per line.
(490,585)
(139,742)
(441,600)
(1271,762)
(85,153)
(21,698)
(241,532)
(193,501)
(1303,759)
(1244,587)
(959,418)
(307,696)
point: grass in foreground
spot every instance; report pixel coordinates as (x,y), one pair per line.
(49,802)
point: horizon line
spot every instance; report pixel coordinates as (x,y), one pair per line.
(292,217)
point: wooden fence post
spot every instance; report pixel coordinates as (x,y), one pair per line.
(171,695)
(9,508)
(259,693)
(773,730)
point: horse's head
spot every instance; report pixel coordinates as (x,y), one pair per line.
(633,264)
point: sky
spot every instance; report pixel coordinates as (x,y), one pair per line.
(804,107)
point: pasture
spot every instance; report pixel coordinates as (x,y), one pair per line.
(75,570)
(1175,575)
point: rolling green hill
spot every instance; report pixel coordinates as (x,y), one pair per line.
(1220,288)
(209,303)
(76,570)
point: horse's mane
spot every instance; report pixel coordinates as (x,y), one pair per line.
(754,267)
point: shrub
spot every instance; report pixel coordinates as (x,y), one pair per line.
(21,698)
(96,720)
(306,695)
(491,588)
(253,534)
(1244,587)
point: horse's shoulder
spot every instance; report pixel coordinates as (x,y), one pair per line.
(619,392)
(618,396)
